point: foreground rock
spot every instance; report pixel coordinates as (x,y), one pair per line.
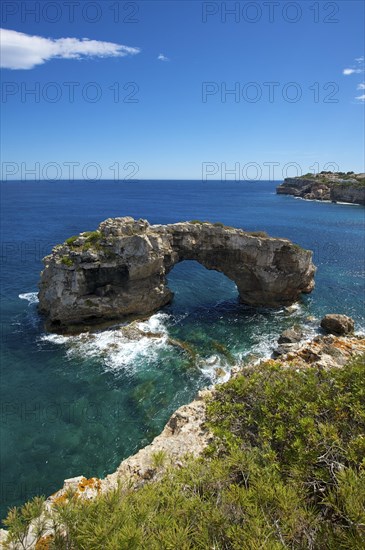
(329,186)
(337,324)
(120,270)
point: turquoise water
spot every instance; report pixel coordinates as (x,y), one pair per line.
(80,405)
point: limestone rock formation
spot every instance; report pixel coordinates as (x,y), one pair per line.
(119,271)
(329,186)
(337,324)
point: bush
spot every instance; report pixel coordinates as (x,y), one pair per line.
(285,470)
(92,236)
(71,240)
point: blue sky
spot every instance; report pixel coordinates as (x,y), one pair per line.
(173,119)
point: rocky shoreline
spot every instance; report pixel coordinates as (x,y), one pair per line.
(185,434)
(326,186)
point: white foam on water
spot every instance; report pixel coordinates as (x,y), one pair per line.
(116,350)
(31,297)
(215,368)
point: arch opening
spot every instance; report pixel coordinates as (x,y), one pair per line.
(194,286)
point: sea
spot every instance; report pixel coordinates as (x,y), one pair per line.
(79,405)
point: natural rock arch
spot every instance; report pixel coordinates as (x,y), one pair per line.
(119,271)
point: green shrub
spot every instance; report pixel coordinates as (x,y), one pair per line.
(66,260)
(19,520)
(92,236)
(71,240)
(285,469)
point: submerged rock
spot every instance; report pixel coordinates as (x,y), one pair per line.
(337,324)
(119,271)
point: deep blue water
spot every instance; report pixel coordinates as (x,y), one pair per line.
(80,405)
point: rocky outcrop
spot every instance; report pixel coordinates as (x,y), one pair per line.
(120,270)
(340,325)
(329,186)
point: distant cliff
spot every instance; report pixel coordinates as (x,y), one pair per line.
(328,186)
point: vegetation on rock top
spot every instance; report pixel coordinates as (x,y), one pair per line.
(336,178)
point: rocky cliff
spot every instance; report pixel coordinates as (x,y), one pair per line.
(119,270)
(335,187)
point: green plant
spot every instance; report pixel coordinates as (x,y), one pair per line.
(92,236)
(158,458)
(285,469)
(66,260)
(19,520)
(71,240)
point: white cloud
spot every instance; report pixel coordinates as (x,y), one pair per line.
(360,97)
(361,86)
(23,51)
(354,69)
(351,71)
(162,57)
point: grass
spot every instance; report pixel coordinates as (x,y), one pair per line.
(285,470)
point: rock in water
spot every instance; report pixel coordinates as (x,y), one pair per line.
(337,324)
(119,271)
(290,336)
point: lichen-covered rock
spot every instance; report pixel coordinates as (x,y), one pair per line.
(337,324)
(119,271)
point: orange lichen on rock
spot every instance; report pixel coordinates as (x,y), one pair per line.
(43,543)
(92,483)
(61,499)
(347,345)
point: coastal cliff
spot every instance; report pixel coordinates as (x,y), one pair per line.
(119,271)
(328,186)
(305,403)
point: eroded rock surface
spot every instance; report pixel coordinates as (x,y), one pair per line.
(120,270)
